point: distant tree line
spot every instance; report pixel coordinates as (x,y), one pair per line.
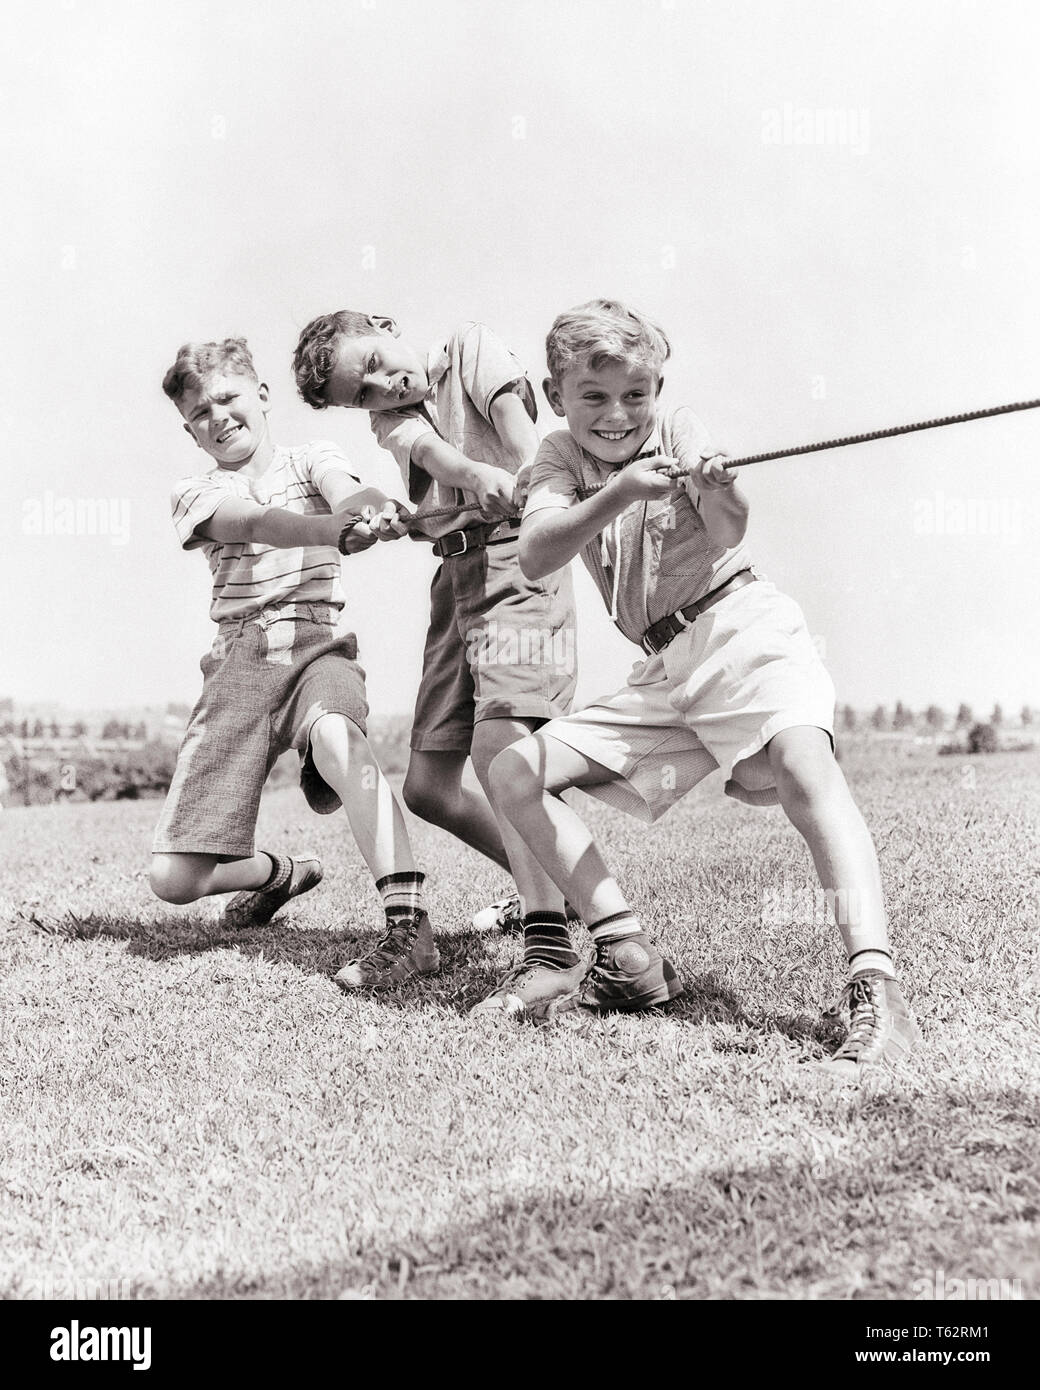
(933,718)
(113,730)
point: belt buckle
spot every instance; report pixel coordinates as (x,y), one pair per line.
(450,554)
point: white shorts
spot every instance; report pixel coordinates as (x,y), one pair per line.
(714,697)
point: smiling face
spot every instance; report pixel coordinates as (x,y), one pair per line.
(227,416)
(611,410)
(377,372)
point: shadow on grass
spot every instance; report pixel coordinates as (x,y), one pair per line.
(468,967)
(832,1223)
(708,1000)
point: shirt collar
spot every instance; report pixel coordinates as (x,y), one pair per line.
(438,360)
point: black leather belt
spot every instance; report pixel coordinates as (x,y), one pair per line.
(475,538)
(659,634)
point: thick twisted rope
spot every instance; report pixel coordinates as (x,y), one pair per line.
(842,443)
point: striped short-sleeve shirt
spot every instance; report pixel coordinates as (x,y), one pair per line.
(248,575)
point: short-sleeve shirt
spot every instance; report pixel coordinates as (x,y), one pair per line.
(248,575)
(466,372)
(657,556)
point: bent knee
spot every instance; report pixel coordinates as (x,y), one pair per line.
(423,798)
(173,882)
(513,776)
(335,734)
(805,781)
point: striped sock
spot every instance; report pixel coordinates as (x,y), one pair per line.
(871,960)
(402,894)
(548,942)
(615,927)
(281,871)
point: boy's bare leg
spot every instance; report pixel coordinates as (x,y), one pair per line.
(434,791)
(344,759)
(629,973)
(526,780)
(537,890)
(184,878)
(817,800)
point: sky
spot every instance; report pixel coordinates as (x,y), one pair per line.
(832,208)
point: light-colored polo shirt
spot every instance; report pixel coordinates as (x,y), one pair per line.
(657,555)
(247,575)
(466,372)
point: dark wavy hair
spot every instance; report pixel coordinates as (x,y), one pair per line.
(315,354)
(197,360)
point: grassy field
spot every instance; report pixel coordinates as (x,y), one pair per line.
(189,1114)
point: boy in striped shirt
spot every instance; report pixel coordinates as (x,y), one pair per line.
(270,522)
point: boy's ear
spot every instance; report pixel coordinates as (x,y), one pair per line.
(264,394)
(552,395)
(660,383)
(385,324)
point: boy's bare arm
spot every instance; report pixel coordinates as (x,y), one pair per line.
(517,432)
(241,519)
(722,505)
(550,538)
(515,427)
(492,487)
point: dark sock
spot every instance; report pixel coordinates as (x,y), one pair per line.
(548,942)
(281,868)
(402,894)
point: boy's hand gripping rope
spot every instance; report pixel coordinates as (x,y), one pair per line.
(841,443)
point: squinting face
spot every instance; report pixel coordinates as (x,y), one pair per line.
(377,372)
(611,411)
(226,415)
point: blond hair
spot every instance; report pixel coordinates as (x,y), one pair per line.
(604,331)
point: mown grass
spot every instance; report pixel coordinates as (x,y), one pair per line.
(206,1116)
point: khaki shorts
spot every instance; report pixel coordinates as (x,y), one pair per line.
(265,682)
(713,698)
(499,646)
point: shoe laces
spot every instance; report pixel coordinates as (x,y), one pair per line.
(864,998)
(508,910)
(603,965)
(515,974)
(396,941)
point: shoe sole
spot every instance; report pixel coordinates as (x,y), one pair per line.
(844,1069)
(669,989)
(420,970)
(537,1010)
(651,1000)
(543,1011)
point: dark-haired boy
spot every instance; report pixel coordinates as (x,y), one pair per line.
(499,658)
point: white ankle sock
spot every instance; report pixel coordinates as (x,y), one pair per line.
(860,961)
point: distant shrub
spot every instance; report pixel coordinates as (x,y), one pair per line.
(982,738)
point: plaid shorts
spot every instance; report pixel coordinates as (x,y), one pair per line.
(499,646)
(265,681)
